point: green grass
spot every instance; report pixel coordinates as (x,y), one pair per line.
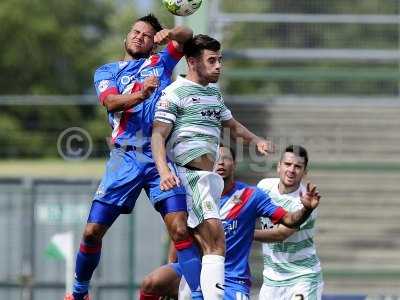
(52,168)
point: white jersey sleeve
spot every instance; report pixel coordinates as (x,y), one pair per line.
(167,108)
(225,111)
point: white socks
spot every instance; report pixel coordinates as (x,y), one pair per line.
(212,277)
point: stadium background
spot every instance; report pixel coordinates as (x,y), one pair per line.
(321,73)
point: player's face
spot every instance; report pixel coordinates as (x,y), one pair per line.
(209,65)
(225,163)
(291,169)
(140,39)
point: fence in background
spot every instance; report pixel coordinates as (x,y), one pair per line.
(33,210)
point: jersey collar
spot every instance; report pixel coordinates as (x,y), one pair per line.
(187,81)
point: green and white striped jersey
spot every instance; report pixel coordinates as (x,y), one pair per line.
(196,113)
(294,259)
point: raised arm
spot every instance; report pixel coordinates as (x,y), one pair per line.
(161,131)
(237,130)
(276,234)
(178,35)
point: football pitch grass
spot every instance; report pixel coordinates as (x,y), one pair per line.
(52,168)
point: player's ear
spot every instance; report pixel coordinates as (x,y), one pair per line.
(190,61)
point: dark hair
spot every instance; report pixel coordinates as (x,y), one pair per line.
(151,20)
(299,151)
(231,150)
(200,42)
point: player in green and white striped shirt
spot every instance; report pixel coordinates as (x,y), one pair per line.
(292,270)
(190,116)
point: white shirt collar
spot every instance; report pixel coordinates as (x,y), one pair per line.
(184,79)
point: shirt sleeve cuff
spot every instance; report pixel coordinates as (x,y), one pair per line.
(278,215)
(110,91)
(175,54)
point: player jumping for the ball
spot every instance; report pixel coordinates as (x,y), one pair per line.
(129,90)
(190,115)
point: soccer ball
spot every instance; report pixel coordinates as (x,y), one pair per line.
(182,7)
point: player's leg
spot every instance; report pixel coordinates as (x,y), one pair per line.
(173,210)
(203,192)
(100,219)
(117,193)
(163,281)
(172,207)
(210,236)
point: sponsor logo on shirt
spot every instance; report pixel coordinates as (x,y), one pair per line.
(211,114)
(149,72)
(230,227)
(125,79)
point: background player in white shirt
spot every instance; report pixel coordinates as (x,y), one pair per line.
(292,270)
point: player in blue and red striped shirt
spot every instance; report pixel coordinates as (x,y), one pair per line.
(240,206)
(129,90)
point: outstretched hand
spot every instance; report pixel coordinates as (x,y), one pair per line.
(311,197)
(265,147)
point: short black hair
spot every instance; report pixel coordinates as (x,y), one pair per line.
(231,150)
(299,151)
(194,46)
(151,20)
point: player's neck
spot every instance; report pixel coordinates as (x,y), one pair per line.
(229,183)
(283,189)
(194,77)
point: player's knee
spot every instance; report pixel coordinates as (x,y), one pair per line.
(177,227)
(148,285)
(93,233)
(179,232)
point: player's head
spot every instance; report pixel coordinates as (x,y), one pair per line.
(226,162)
(292,166)
(139,41)
(203,55)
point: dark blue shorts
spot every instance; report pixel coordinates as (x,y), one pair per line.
(127,173)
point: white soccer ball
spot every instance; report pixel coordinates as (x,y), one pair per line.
(182,7)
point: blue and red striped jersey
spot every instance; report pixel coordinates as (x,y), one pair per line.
(239,209)
(133,126)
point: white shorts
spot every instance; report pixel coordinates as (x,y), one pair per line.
(203,192)
(298,291)
(184,292)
